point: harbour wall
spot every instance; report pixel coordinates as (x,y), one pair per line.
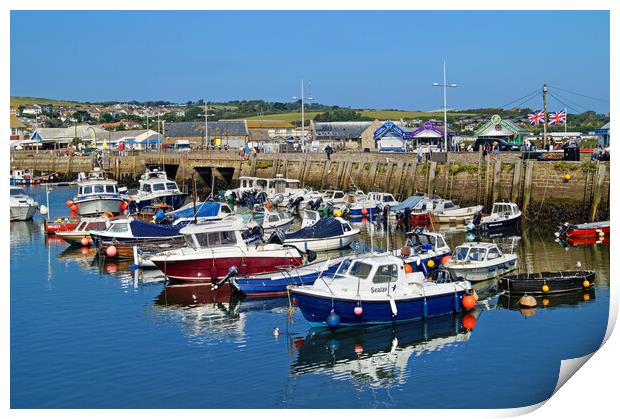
(545,191)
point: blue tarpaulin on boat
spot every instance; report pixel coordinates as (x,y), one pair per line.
(206,209)
(325,227)
(410,202)
(141,228)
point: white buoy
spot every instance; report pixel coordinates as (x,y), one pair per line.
(43,210)
(393,307)
(578,264)
(276,331)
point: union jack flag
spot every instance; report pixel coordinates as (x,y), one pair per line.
(536,118)
(557,118)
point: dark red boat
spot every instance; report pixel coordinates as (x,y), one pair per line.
(600,229)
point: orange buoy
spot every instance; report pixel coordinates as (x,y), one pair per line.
(586,297)
(69,203)
(359,348)
(123,206)
(408,268)
(469,322)
(446,259)
(85,241)
(111,251)
(469,302)
(364,211)
(74,208)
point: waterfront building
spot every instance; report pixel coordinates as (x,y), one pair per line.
(18,129)
(231,133)
(603,135)
(399,138)
(341,134)
(52,138)
(497,128)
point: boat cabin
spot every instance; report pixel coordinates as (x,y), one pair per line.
(383,198)
(16,191)
(356,196)
(214,235)
(424,241)
(309,218)
(476,252)
(92,224)
(334,196)
(89,188)
(505,209)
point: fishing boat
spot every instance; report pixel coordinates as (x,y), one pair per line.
(504,215)
(374,290)
(155,188)
(23,206)
(547,282)
(275,284)
(326,234)
(212,248)
(27,177)
(80,235)
(477,261)
(97,195)
(599,229)
(455,215)
(424,251)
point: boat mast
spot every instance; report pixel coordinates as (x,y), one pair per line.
(545,90)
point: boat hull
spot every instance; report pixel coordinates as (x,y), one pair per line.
(96,206)
(174,200)
(482,273)
(213,268)
(323,244)
(358,212)
(500,224)
(588,232)
(22,212)
(315,308)
(276,284)
(557,282)
(66,225)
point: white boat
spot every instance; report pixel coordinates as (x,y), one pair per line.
(309,217)
(97,195)
(384,199)
(274,220)
(503,215)
(336,198)
(82,231)
(360,205)
(326,234)
(155,187)
(477,261)
(455,215)
(23,206)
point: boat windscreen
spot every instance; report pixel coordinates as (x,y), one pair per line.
(360,270)
(460,253)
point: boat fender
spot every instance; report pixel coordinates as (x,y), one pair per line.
(333,320)
(395,310)
(528,301)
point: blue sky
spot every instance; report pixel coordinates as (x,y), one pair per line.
(352,58)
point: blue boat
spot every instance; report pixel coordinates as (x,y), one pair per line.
(205,211)
(276,284)
(505,215)
(377,290)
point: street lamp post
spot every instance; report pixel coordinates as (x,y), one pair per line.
(303,131)
(206,115)
(445,86)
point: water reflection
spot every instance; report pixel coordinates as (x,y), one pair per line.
(23,232)
(511,302)
(376,356)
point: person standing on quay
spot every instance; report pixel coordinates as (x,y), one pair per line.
(328,151)
(495,150)
(420,153)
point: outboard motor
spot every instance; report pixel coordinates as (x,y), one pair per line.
(293,204)
(252,234)
(563,229)
(277,237)
(442,276)
(232,271)
(311,254)
(477,219)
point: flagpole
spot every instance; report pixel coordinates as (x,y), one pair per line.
(565,120)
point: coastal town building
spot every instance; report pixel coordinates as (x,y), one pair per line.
(340,134)
(497,128)
(603,135)
(224,133)
(18,129)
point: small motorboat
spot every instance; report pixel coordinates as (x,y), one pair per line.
(455,215)
(424,251)
(61,224)
(547,282)
(309,217)
(275,284)
(599,229)
(377,289)
(80,236)
(476,261)
(155,188)
(326,234)
(23,206)
(213,248)
(97,194)
(504,215)
(360,205)
(134,231)
(384,199)
(274,220)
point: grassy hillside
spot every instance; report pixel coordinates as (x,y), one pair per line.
(375,114)
(16,101)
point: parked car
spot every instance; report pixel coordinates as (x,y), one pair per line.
(503,144)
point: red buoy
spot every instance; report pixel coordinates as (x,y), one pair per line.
(123,206)
(469,302)
(85,241)
(111,251)
(358,310)
(364,211)
(446,259)
(69,203)
(469,322)
(408,268)
(111,268)
(74,208)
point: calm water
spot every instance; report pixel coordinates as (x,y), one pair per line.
(92,335)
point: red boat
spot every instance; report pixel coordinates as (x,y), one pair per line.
(61,224)
(212,249)
(578,241)
(420,219)
(600,229)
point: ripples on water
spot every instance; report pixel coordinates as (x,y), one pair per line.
(91,334)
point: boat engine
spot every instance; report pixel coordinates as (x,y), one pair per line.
(232,271)
(277,237)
